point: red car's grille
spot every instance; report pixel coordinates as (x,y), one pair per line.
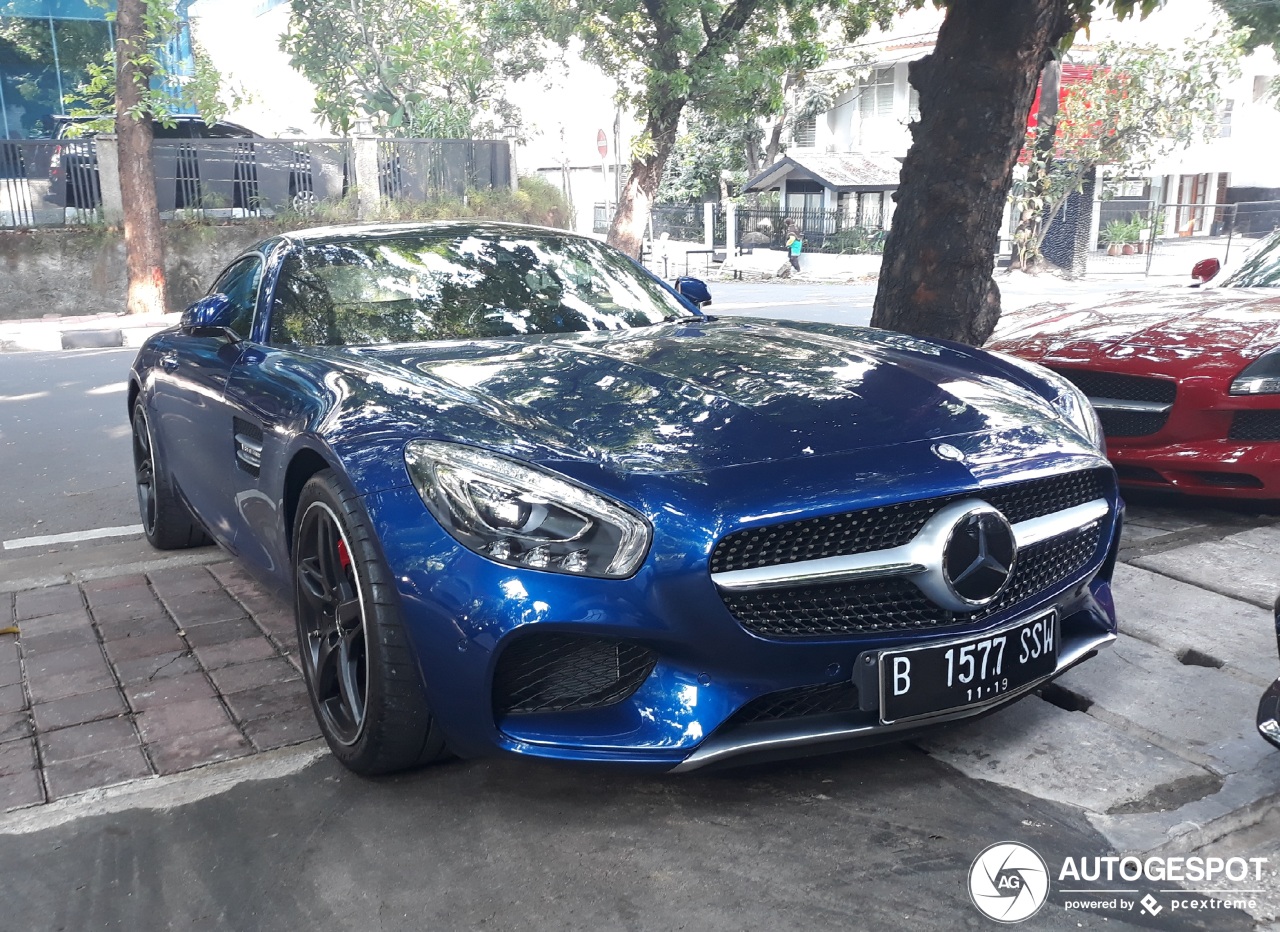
(1132,423)
(1255,425)
(1122,387)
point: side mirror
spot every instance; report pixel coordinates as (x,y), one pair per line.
(694,289)
(210,316)
(1205,270)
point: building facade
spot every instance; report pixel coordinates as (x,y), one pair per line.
(46,48)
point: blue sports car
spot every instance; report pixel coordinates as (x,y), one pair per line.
(525,497)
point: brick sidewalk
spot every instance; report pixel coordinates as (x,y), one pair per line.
(131,676)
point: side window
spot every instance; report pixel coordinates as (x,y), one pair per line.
(240,284)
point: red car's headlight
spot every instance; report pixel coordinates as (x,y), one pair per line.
(1260,377)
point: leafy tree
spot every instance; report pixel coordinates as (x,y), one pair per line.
(706,157)
(975,91)
(1262,19)
(427,68)
(726,57)
(1142,103)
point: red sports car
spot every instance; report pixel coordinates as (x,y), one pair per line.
(1186,382)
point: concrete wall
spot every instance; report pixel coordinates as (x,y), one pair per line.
(75,272)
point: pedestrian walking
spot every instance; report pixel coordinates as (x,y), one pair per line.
(794,245)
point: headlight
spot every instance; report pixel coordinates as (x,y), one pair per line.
(1068,400)
(524,516)
(1260,377)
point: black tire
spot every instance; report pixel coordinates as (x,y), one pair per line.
(359,667)
(166,520)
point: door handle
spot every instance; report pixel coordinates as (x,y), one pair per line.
(169,360)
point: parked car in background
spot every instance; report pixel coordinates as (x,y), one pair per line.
(1186,380)
(74,167)
(527,499)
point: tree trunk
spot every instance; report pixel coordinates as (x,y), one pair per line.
(626,232)
(975,92)
(144,247)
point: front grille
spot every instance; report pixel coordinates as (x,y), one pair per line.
(568,672)
(879,606)
(893,525)
(1229,480)
(1139,474)
(1131,423)
(1255,425)
(798,703)
(1122,387)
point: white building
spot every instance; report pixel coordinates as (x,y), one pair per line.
(1239,164)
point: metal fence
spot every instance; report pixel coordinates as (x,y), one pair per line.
(46,182)
(841,232)
(1150,238)
(825,231)
(36,177)
(248,177)
(421,169)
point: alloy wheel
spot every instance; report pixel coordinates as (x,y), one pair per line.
(144,469)
(332,623)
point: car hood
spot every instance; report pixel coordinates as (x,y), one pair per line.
(1183,322)
(696,395)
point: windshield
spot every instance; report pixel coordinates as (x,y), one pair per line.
(1261,267)
(458,285)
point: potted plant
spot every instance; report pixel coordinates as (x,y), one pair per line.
(1114,235)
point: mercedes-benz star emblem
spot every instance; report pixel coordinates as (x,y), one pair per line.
(978,557)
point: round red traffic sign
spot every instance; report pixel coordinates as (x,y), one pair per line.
(602,143)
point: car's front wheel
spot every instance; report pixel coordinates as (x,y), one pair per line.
(359,668)
(165,518)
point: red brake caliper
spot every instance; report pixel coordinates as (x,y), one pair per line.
(344,558)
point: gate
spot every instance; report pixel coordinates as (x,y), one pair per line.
(1141,237)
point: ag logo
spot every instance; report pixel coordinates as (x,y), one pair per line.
(1008,882)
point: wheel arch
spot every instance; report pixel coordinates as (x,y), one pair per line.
(305,464)
(134,391)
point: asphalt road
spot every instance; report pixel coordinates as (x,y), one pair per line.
(882,839)
(64,442)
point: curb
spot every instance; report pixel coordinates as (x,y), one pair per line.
(100,331)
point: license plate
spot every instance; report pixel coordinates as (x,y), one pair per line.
(919,681)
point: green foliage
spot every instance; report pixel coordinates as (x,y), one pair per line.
(1119,232)
(707,159)
(424,68)
(856,241)
(1260,17)
(728,58)
(536,201)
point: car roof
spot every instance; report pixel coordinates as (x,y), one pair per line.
(62,121)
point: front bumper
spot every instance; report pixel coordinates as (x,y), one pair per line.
(1212,467)
(463,611)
